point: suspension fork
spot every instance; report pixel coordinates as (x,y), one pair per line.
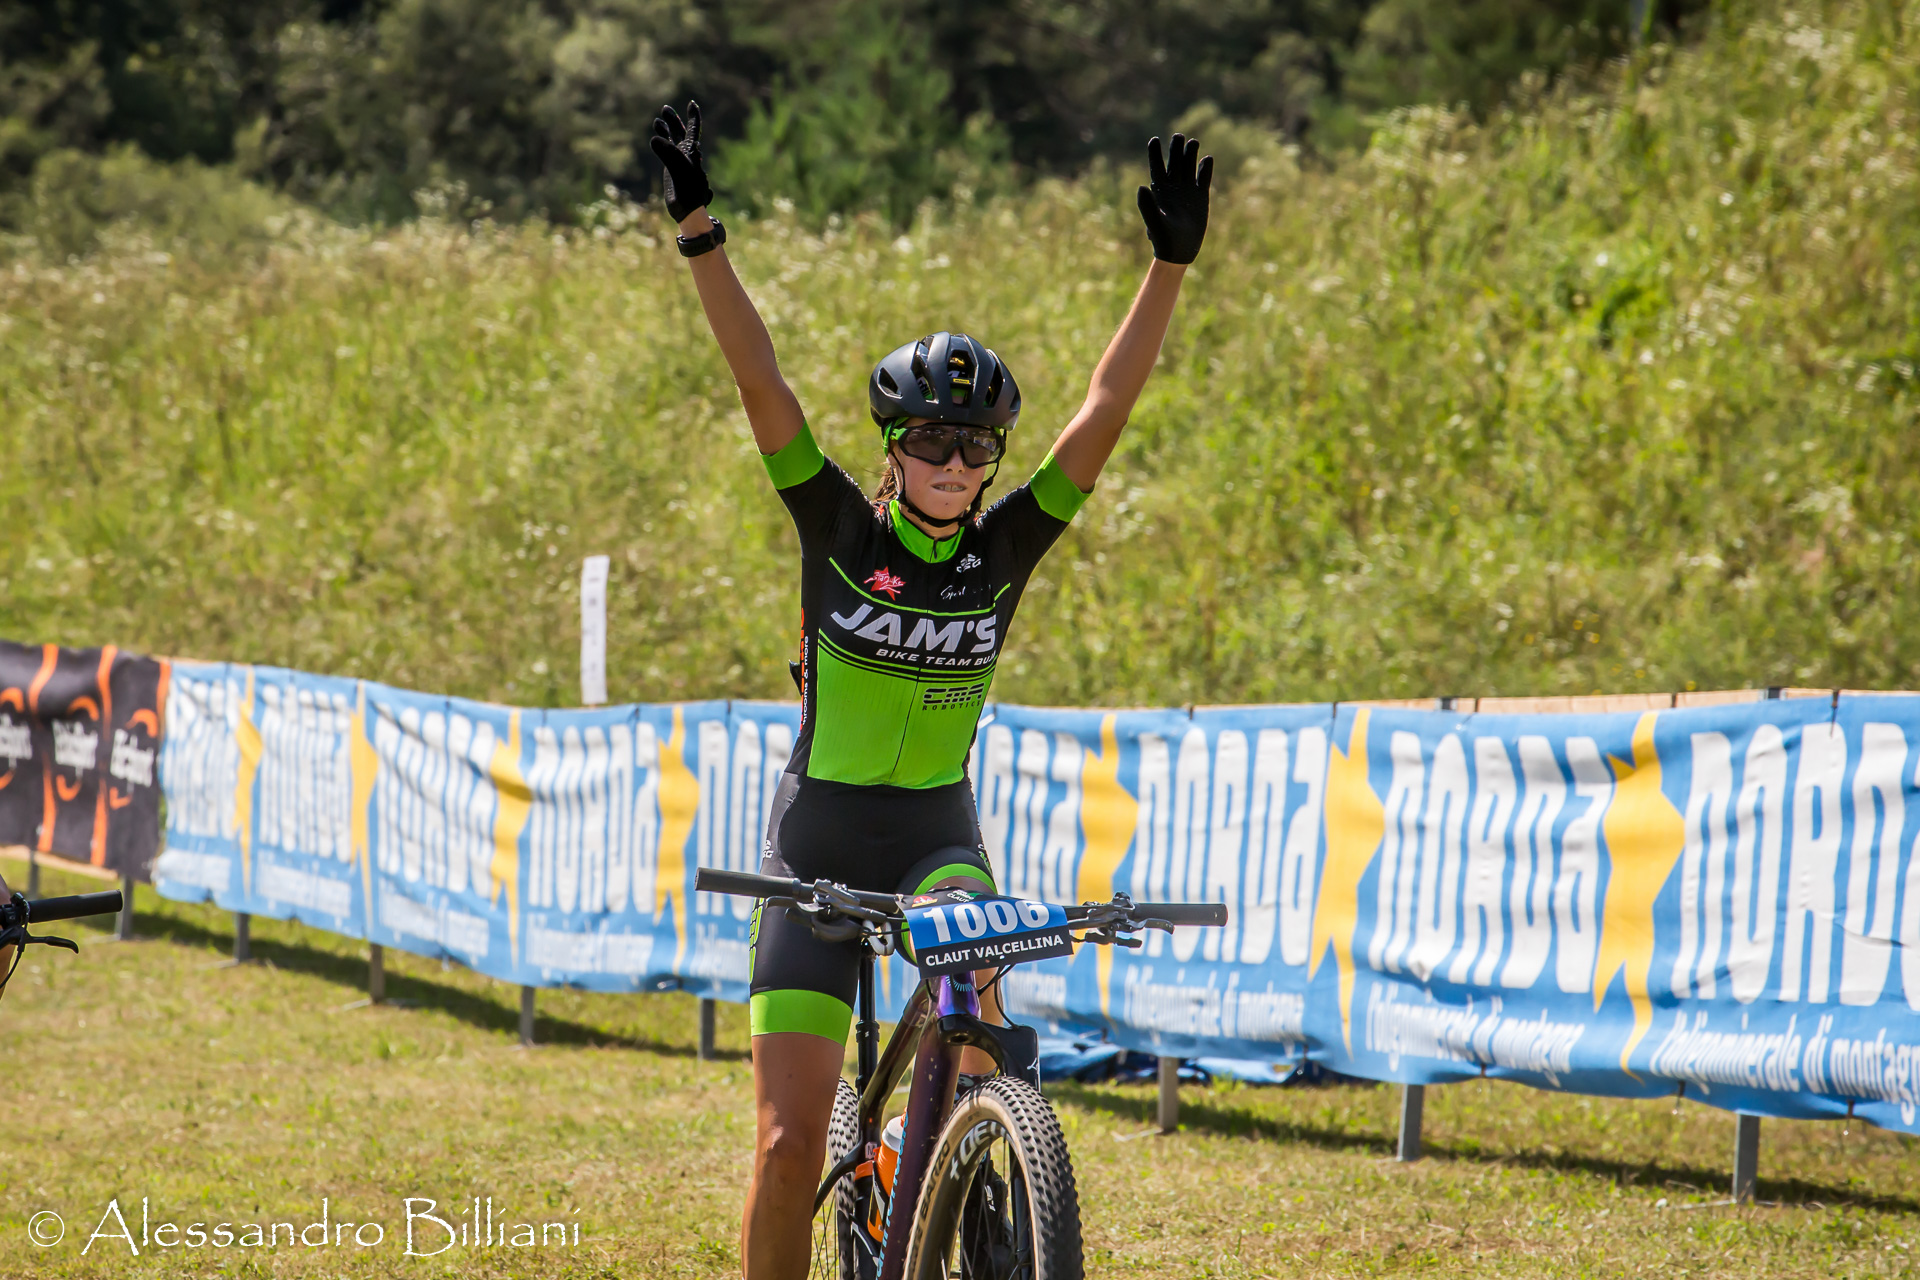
(936,1071)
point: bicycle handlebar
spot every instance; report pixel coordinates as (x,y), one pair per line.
(46,910)
(1197,913)
(748,885)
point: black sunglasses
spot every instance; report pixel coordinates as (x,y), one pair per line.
(935,442)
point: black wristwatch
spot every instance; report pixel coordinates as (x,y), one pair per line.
(705,242)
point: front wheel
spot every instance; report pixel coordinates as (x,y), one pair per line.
(999,1202)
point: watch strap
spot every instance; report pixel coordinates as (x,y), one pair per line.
(705,242)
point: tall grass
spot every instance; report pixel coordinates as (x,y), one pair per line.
(1614,391)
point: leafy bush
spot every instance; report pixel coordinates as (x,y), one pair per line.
(867,128)
(1237,146)
(76,201)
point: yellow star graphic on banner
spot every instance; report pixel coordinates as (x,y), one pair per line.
(1356,822)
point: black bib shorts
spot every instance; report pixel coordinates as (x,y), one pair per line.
(878,838)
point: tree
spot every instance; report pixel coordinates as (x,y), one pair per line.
(863,124)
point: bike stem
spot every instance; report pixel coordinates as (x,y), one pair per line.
(936,1071)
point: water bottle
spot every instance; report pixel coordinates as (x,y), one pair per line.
(890,1140)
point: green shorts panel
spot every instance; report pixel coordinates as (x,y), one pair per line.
(811,1012)
(967,869)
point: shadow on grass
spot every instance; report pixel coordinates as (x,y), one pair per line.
(1233,1122)
(1795,1192)
(413,990)
(1228,1121)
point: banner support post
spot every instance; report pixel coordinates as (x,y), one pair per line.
(1413,1097)
(708,1007)
(1746,1157)
(124,931)
(526,1017)
(242,937)
(33,872)
(1169,1110)
(1413,1107)
(376,974)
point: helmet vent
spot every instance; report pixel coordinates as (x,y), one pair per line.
(921,374)
(888,385)
(960,368)
(994,384)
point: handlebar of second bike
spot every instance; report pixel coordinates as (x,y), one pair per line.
(746,884)
(22,910)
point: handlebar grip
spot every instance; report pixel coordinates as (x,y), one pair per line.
(747,885)
(1201,913)
(47,910)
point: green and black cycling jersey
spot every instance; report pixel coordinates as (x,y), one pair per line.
(900,632)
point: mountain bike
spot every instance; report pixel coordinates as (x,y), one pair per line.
(19,912)
(983,1186)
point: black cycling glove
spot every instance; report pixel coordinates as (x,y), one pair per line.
(677,145)
(1175,208)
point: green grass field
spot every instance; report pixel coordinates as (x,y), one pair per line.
(247,1094)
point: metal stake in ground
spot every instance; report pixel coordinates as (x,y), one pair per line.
(124,932)
(1413,1107)
(1746,1157)
(707,1011)
(1169,1094)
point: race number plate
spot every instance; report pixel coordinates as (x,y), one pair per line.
(956,930)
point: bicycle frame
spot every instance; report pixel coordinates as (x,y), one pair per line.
(941,1019)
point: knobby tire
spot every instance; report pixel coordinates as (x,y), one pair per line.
(1000,1201)
(848,1253)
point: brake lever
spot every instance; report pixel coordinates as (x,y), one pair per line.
(1110,937)
(846,904)
(837,930)
(825,923)
(18,936)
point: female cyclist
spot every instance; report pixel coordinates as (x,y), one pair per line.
(905,603)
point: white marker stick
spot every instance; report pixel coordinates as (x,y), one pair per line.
(593,631)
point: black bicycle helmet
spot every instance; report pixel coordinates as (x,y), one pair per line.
(947,377)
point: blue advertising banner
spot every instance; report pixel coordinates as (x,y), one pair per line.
(1218,806)
(1711,899)
(1723,900)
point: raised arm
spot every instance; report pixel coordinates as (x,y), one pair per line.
(772,409)
(1175,210)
